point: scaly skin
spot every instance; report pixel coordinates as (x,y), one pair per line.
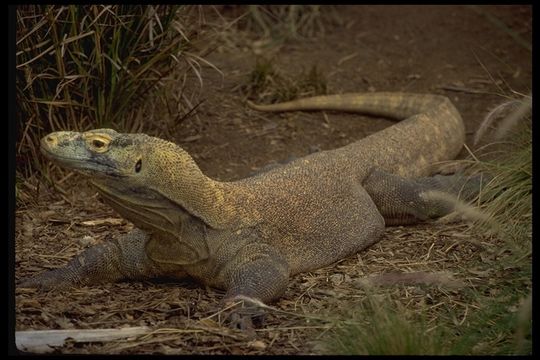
(249,236)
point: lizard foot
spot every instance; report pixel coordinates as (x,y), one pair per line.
(43,283)
(244,313)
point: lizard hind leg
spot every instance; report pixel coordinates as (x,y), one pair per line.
(403,201)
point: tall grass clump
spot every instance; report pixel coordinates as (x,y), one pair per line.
(376,327)
(90,66)
(508,196)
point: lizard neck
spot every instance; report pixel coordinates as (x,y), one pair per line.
(165,204)
(169,184)
(171,172)
(203,197)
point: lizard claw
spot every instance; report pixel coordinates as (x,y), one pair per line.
(39,283)
(57,279)
(244,313)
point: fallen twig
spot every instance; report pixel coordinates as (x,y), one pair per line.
(43,341)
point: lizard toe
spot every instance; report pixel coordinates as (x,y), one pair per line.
(244,313)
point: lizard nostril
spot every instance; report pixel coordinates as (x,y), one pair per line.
(50,140)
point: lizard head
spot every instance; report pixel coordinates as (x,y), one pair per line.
(136,175)
(101,152)
(137,160)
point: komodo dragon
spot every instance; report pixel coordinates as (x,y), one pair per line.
(249,236)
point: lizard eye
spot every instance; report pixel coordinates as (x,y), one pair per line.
(138,166)
(97,142)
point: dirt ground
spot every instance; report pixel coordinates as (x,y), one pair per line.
(450,50)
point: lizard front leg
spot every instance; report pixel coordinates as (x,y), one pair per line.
(257,273)
(122,258)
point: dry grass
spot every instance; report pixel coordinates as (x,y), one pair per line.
(516,110)
(264,28)
(282,21)
(286,20)
(509,195)
(268,84)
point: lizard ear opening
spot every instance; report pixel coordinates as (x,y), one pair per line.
(138,166)
(174,251)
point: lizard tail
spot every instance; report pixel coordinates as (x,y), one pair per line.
(388,104)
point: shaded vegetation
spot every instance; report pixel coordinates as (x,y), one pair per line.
(82,67)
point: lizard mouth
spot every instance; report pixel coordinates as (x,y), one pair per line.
(86,166)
